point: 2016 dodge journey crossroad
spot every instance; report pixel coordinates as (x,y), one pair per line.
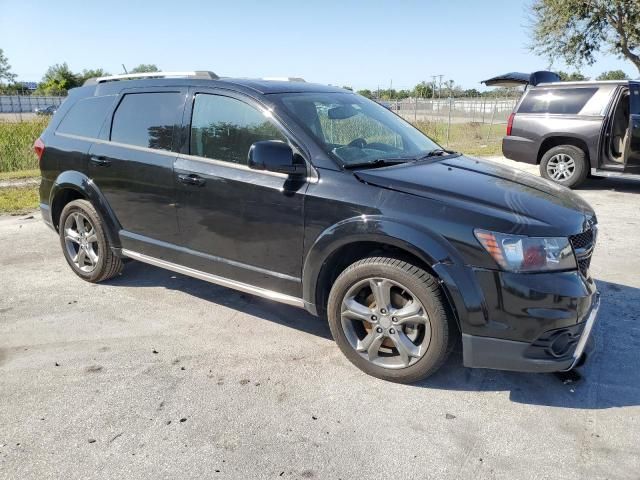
(317,197)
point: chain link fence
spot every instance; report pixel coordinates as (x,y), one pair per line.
(473,125)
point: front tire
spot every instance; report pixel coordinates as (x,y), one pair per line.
(388,317)
(84,243)
(565,165)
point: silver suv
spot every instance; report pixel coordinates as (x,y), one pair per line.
(574,129)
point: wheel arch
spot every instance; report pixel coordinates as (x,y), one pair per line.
(73,185)
(351,240)
(557,140)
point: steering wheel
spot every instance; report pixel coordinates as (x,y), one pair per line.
(358,142)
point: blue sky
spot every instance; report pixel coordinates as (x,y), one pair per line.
(363,44)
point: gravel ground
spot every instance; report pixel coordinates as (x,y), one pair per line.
(156,375)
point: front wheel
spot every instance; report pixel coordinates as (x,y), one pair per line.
(565,164)
(388,318)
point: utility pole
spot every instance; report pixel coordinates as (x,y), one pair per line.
(439,90)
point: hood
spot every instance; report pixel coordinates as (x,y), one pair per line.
(490,189)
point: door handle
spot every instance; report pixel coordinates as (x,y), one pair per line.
(99,161)
(191,179)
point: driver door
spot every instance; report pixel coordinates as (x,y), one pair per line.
(241,224)
(632,163)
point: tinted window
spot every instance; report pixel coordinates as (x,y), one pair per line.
(147,119)
(86,117)
(556,100)
(223,128)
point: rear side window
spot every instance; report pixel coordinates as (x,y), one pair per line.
(85,118)
(147,119)
(568,101)
(224,128)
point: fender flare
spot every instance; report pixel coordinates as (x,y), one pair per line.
(591,150)
(81,183)
(461,289)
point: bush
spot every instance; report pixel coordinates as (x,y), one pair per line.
(16,144)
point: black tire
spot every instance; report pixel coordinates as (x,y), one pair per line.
(580,170)
(419,284)
(106,264)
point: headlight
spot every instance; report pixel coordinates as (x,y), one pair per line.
(517,253)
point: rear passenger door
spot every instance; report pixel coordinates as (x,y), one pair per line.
(633,155)
(237,223)
(132,165)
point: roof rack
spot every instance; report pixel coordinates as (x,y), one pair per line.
(284,79)
(131,76)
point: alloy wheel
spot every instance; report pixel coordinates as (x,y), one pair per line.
(81,242)
(561,167)
(385,323)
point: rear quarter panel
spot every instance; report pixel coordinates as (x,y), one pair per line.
(534,129)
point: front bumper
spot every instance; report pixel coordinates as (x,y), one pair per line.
(541,355)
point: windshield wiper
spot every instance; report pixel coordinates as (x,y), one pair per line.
(380,162)
(437,152)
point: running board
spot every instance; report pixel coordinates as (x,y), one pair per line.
(208,277)
(612,174)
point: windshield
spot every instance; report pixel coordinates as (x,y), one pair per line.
(354,129)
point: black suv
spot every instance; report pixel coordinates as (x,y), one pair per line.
(319,198)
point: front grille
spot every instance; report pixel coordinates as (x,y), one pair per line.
(583,265)
(582,240)
(583,244)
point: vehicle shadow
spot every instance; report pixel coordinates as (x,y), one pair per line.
(610,378)
(142,275)
(622,185)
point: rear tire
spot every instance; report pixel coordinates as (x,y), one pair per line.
(404,342)
(565,165)
(84,243)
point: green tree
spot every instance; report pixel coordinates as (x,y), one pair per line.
(571,77)
(93,73)
(145,68)
(58,80)
(423,90)
(5,69)
(575,30)
(613,75)
(366,93)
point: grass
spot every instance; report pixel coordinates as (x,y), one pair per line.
(17,200)
(16,144)
(19,174)
(477,139)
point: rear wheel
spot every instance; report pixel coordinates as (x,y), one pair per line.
(84,243)
(388,317)
(565,165)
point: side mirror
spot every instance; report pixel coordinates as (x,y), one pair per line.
(274,156)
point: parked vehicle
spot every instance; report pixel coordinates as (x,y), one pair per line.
(574,129)
(48,110)
(320,198)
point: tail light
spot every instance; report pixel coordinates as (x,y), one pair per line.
(38,147)
(510,123)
